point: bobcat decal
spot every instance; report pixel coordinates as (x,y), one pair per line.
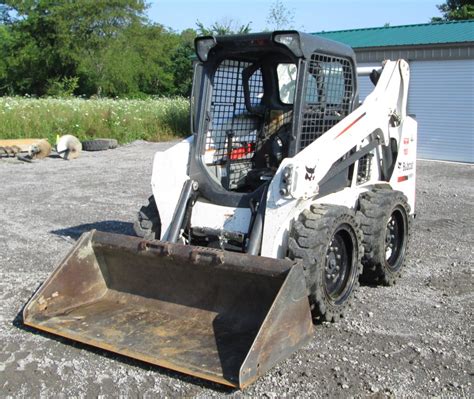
(309,173)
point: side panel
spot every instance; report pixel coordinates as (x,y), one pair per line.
(169,174)
(218,217)
(281,212)
(277,223)
(404,173)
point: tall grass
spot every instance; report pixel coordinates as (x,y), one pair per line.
(125,120)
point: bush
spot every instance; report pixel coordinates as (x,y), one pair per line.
(62,88)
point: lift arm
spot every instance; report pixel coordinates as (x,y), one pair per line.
(379,118)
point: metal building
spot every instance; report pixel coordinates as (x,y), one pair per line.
(441,94)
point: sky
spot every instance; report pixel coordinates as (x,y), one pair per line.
(309,15)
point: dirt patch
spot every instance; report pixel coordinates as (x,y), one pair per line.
(413,339)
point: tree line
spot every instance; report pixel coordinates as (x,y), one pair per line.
(110,48)
(90,47)
(96,48)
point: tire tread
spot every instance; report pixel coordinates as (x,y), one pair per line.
(308,241)
(375,207)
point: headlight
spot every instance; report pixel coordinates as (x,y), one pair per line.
(203,46)
(285,183)
(290,40)
(297,182)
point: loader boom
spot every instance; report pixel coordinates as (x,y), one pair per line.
(372,121)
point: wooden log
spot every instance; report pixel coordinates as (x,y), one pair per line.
(23,144)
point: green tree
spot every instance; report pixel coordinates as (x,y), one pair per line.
(225,26)
(136,62)
(5,44)
(51,38)
(182,63)
(455,10)
(92,47)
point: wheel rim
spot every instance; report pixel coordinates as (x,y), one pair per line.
(395,239)
(339,268)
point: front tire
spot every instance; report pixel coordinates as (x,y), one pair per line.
(386,224)
(328,240)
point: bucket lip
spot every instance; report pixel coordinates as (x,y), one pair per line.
(201,256)
(134,355)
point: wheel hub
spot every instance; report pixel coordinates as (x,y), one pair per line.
(337,266)
(390,237)
(394,239)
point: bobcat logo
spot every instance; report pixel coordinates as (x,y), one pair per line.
(404,166)
(309,173)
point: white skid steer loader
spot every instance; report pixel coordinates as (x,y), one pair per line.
(263,221)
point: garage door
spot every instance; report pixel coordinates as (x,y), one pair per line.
(441,96)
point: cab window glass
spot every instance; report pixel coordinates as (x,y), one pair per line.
(287,82)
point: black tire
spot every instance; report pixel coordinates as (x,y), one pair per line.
(385,220)
(99,144)
(148,223)
(332,272)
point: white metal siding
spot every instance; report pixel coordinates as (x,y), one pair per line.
(441,95)
(442,98)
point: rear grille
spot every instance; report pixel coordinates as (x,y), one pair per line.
(364,168)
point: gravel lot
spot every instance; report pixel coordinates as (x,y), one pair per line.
(413,340)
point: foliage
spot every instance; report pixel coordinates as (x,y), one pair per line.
(225,26)
(136,63)
(51,38)
(62,88)
(107,46)
(455,10)
(181,63)
(5,43)
(279,17)
(126,120)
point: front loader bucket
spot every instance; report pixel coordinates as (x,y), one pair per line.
(217,315)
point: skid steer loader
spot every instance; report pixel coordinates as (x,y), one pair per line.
(260,223)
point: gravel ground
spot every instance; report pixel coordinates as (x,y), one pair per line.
(410,340)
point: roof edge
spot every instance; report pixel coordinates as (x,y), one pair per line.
(396,26)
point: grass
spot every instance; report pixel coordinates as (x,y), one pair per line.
(125,120)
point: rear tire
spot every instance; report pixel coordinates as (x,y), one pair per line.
(328,240)
(148,223)
(385,219)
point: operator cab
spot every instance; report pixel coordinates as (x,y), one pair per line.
(246,92)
